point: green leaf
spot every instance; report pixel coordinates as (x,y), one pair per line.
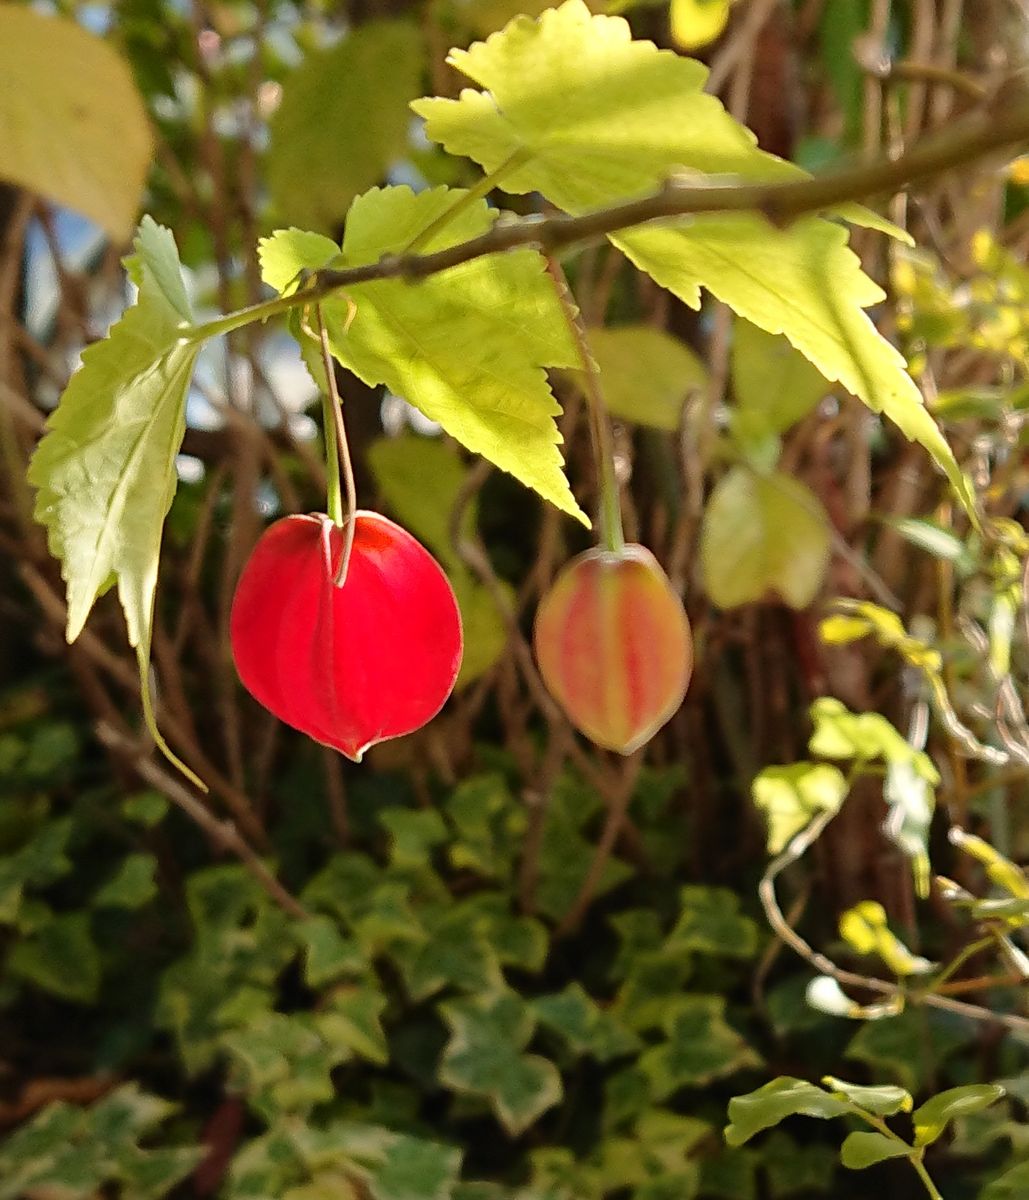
(351,1020)
(695,23)
(455,954)
(645,374)
(484,1057)
(763,533)
(414,834)
(105,469)
(700,1047)
(711,923)
(60,957)
(882,1100)
(565,854)
(790,796)
(573,108)
(584,1025)
(931,1118)
(866,1148)
(467,347)
(783,1097)
(343,119)
(773,384)
(1012,1185)
(75,128)
(131,886)
(329,955)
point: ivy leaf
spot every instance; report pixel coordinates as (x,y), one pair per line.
(484,1057)
(342,120)
(328,954)
(711,923)
(795,1168)
(572,107)
(131,886)
(455,954)
(763,533)
(932,1118)
(467,347)
(105,470)
(75,128)
(351,1021)
(865,1148)
(772,1103)
(284,1063)
(488,827)
(700,1047)
(791,795)
(584,1025)
(59,957)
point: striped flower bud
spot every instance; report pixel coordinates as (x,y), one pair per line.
(614,646)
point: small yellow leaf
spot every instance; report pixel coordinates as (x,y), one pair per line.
(695,23)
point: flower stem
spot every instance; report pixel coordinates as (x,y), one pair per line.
(612,536)
(340,456)
(923,1174)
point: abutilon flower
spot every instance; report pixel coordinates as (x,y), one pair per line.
(614,646)
(351,665)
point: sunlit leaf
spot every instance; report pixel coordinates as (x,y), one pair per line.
(466,347)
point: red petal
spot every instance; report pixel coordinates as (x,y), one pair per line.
(350,666)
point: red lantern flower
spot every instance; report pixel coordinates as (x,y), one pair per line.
(351,665)
(614,646)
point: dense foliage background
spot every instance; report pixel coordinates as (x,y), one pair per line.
(490,960)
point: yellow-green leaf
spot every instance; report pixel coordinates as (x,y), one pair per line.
(105,470)
(763,533)
(866,929)
(467,347)
(572,107)
(792,795)
(72,124)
